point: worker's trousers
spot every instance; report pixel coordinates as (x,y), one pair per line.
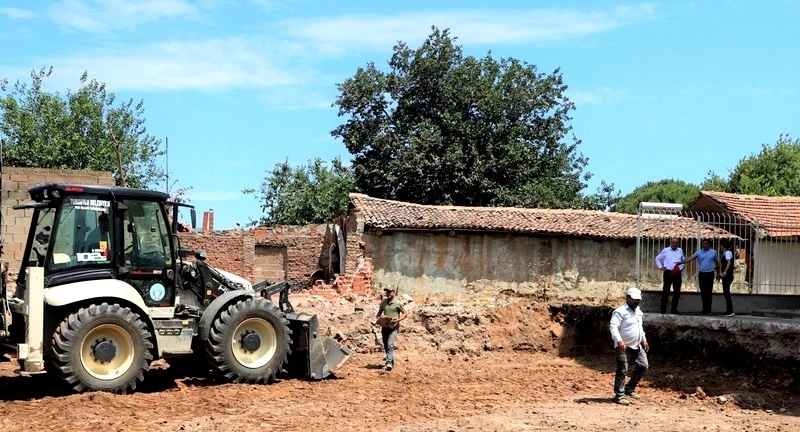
(637,356)
(389,336)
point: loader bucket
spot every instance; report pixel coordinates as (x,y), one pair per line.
(314,355)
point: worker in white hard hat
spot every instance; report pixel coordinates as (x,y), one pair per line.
(630,345)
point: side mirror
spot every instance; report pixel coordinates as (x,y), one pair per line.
(194,218)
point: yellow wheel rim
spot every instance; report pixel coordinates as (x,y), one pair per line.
(263,354)
(122,360)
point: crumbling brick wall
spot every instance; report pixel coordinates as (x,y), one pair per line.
(354,230)
(232,251)
(285,252)
(304,248)
(15,223)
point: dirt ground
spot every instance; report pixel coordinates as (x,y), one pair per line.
(500,368)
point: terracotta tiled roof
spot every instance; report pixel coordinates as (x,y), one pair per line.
(396,215)
(778,216)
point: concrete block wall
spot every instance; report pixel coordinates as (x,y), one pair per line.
(15,223)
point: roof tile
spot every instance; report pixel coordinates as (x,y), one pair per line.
(778,216)
(396,215)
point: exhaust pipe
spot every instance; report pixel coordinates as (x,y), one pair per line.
(314,356)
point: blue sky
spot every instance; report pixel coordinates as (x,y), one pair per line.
(663,90)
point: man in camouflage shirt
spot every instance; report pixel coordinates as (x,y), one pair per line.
(393,312)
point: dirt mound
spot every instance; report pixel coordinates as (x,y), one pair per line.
(468,328)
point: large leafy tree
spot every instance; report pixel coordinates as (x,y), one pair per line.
(439,127)
(313,193)
(772,172)
(83,129)
(667,190)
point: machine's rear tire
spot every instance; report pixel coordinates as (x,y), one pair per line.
(104,348)
(249,342)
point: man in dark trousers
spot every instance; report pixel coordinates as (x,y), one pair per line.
(393,312)
(726,274)
(707,266)
(668,262)
(630,345)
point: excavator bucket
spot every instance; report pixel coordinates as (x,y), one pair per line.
(314,355)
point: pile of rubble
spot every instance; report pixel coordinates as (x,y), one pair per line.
(359,283)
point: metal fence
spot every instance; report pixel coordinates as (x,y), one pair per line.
(766,254)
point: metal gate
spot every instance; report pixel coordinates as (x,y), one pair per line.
(766,255)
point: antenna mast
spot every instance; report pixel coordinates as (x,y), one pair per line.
(167,156)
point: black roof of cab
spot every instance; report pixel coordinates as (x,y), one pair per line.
(37,192)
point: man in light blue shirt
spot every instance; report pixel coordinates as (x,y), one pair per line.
(668,261)
(707,267)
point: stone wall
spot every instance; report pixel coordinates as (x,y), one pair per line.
(561,269)
(15,223)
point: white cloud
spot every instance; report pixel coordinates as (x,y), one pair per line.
(378,32)
(601,96)
(188,65)
(283,62)
(104,15)
(15,13)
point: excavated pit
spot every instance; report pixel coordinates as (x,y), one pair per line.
(751,360)
(504,364)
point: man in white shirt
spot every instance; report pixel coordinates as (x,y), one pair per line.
(630,345)
(668,261)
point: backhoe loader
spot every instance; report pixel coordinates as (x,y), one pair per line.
(105,288)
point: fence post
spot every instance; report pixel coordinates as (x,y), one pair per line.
(638,246)
(754,254)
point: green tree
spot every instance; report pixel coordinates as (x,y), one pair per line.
(772,172)
(664,191)
(606,198)
(440,127)
(313,193)
(84,129)
(715,182)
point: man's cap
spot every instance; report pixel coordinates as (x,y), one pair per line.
(389,288)
(635,293)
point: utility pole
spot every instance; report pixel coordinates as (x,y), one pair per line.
(167,157)
(2,225)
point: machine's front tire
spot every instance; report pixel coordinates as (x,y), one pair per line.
(105,348)
(249,342)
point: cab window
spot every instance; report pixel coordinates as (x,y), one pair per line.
(83,233)
(146,237)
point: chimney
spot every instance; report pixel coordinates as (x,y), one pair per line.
(210,220)
(204,229)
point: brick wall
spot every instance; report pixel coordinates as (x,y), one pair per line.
(303,249)
(16,182)
(285,252)
(270,263)
(232,251)
(354,230)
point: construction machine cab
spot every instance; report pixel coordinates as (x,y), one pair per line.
(90,233)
